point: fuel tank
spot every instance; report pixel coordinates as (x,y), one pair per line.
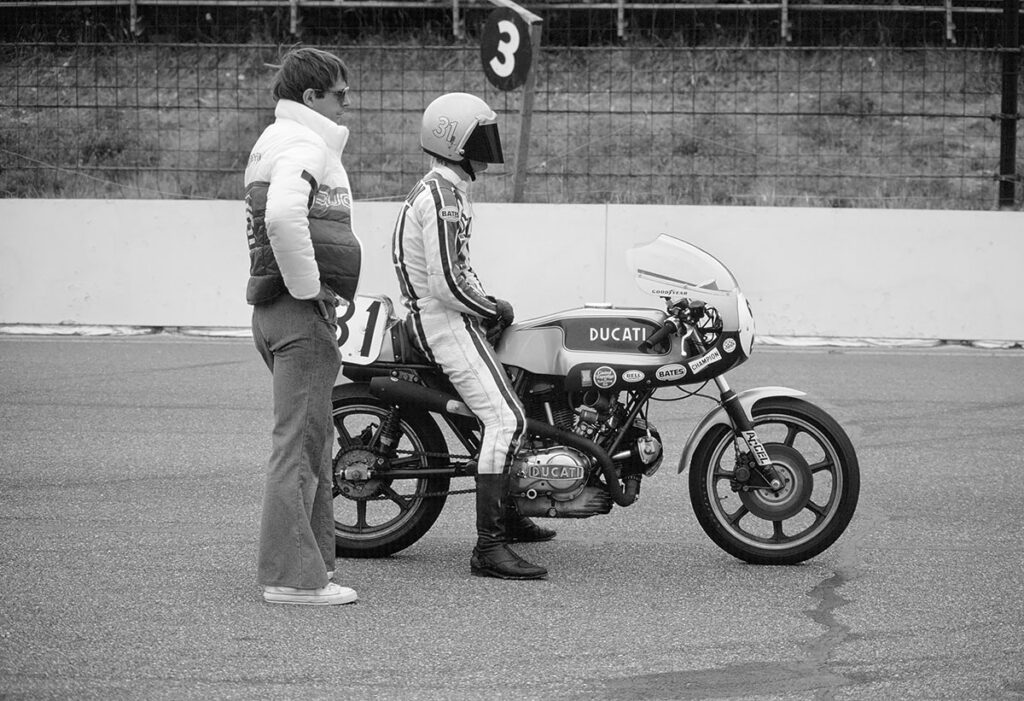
(592,346)
(597,347)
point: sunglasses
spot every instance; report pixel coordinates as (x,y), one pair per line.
(339,95)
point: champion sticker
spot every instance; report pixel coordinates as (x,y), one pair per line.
(729,345)
(449,213)
(667,373)
(702,362)
(604,377)
(632,376)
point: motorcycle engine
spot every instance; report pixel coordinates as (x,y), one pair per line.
(552,482)
(559,473)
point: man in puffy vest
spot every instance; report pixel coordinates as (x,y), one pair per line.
(304,261)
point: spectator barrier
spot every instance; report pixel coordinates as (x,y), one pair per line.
(809,272)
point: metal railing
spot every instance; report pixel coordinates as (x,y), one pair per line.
(947,9)
(658,118)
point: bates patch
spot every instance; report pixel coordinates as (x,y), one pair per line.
(449,213)
(668,373)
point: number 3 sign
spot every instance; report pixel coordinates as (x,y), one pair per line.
(505,49)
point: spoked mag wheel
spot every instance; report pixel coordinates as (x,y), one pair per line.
(376,516)
(821,483)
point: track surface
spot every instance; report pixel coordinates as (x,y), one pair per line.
(130,483)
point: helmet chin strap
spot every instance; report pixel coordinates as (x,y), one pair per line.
(467,166)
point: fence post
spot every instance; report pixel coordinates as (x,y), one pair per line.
(526,118)
(1009,115)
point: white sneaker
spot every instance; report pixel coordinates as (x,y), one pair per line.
(331,595)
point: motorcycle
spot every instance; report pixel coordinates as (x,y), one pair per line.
(773,479)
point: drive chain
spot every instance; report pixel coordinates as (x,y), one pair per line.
(426,495)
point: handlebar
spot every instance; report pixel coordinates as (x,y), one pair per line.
(666,330)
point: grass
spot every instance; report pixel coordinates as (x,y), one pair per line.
(640,124)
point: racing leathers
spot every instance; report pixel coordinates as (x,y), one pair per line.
(447,305)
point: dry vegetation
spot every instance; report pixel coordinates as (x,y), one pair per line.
(640,124)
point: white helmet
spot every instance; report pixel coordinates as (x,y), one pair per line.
(460,127)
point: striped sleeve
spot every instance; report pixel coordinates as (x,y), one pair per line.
(446,245)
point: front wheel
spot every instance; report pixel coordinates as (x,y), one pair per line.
(375,516)
(821,484)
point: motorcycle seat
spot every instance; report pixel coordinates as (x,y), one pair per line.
(405,349)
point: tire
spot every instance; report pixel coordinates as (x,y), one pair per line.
(378,517)
(821,486)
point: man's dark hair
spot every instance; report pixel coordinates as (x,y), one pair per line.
(306,68)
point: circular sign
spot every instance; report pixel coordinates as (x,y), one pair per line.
(605,377)
(505,49)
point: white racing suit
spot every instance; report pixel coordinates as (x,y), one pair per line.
(447,302)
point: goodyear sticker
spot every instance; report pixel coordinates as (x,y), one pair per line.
(604,377)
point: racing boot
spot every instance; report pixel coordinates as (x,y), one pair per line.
(492,557)
(520,529)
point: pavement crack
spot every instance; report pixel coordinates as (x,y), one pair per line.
(819,651)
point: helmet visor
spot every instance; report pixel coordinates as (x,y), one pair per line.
(484,145)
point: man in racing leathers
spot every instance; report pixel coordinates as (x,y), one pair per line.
(453,321)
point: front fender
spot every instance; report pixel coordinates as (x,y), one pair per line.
(747,398)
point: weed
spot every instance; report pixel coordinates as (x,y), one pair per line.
(661,122)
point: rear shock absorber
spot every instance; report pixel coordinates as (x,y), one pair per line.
(387,436)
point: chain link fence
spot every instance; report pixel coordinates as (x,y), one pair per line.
(873,105)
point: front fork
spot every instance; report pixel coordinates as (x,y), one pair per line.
(752,462)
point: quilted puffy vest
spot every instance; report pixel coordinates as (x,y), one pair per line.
(314,194)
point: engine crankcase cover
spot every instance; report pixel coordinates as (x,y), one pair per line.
(560,473)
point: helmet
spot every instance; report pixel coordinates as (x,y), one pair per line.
(460,127)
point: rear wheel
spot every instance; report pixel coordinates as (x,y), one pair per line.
(375,516)
(821,484)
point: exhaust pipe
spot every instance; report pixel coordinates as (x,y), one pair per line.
(396,391)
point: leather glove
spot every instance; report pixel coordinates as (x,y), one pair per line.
(505,314)
(493,333)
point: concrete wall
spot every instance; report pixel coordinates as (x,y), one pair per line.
(808,272)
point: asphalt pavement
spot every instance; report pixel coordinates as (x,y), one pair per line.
(130,483)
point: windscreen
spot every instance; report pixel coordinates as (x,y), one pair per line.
(669,267)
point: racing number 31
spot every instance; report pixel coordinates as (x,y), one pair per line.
(505,49)
(367,317)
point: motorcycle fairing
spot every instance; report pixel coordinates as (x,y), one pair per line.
(667,267)
(674,269)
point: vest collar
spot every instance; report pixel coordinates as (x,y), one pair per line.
(334,135)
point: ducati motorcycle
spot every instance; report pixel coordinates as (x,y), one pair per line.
(773,479)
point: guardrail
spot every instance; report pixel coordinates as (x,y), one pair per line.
(785,8)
